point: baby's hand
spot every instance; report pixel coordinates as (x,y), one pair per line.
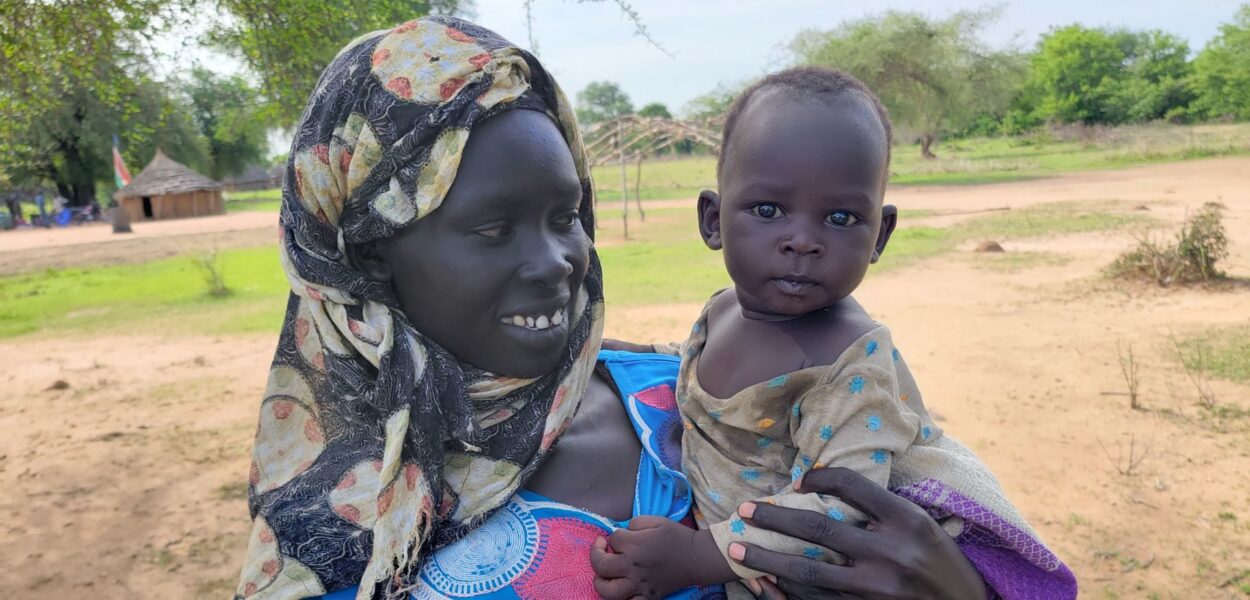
(651,559)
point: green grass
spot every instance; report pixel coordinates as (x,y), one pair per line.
(171,291)
(1057,218)
(1010,262)
(975,160)
(269,200)
(960,162)
(1223,352)
(664,262)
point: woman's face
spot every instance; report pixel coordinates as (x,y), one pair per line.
(492,274)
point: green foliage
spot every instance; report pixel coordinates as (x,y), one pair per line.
(290,42)
(229,114)
(655,109)
(714,103)
(934,75)
(1222,71)
(602,101)
(74,74)
(1088,75)
(1191,258)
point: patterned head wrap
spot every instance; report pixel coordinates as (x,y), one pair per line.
(374,443)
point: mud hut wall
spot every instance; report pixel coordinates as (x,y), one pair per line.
(176,206)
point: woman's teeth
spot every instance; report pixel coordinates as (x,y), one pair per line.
(538,323)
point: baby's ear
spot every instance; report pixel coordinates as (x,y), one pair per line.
(367,258)
(709,219)
(889,220)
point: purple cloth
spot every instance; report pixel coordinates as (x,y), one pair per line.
(1014,564)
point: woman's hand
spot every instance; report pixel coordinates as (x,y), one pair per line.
(902,555)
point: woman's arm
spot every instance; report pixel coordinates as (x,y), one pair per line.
(903,555)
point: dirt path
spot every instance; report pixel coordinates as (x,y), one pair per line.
(129,484)
(26,250)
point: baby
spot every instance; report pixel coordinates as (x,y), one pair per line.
(784,372)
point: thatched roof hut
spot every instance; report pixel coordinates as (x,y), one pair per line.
(167,189)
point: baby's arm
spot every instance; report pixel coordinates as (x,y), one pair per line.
(855,421)
(656,557)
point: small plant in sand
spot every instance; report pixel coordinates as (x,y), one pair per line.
(214,278)
(1128,368)
(1127,465)
(1195,362)
(1190,258)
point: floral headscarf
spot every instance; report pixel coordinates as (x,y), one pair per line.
(375,444)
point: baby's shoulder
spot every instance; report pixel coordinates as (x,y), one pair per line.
(843,337)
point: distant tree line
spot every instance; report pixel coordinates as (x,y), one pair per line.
(938,77)
(74,73)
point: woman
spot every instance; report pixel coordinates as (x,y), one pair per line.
(440,338)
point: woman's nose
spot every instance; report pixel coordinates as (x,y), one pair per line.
(546,263)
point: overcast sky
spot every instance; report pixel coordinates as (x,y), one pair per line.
(714,41)
(731,40)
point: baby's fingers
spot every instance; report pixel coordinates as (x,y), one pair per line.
(605,564)
(647,522)
(616,589)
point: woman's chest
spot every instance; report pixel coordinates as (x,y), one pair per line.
(595,463)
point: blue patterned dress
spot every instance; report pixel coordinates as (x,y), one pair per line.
(536,548)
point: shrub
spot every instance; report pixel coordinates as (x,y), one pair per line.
(1191,258)
(210,268)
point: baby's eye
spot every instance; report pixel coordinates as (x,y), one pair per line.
(766,210)
(842,218)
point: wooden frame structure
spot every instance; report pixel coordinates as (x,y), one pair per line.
(631,138)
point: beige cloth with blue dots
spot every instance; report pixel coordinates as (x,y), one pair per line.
(857,413)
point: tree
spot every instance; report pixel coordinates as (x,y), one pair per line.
(602,101)
(655,109)
(714,103)
(933,75)
(1088,75)
(229,114)
(288,43)
(1222,70)
(69,89)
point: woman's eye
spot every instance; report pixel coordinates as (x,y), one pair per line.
(567,220)
(766,210)
(842,218)
(499,231)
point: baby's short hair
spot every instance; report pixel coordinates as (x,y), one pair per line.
(807,83)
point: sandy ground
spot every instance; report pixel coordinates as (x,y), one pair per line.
(130,483)
(25,250)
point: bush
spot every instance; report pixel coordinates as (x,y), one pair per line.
(1191,258)
(214,279)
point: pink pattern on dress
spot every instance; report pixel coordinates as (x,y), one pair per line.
(562,569)
(660,396)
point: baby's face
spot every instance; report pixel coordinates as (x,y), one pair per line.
(800,216)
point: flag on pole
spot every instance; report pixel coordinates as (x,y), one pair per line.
(121,175)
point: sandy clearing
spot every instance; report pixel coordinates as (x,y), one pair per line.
(129,483)
(26,250)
